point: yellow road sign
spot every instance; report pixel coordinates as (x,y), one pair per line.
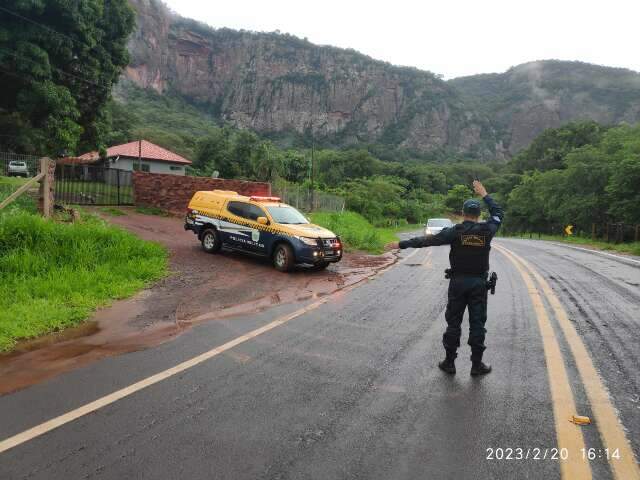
(568,230)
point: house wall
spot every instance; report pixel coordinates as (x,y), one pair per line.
(125,163)
(172,193)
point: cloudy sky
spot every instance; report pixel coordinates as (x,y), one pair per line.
(450,37)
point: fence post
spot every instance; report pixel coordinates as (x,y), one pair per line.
(48,167)
(593,231)
(637,235)
(620,233)
(118,186)
(607,232)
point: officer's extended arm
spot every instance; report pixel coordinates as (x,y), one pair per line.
(443,237)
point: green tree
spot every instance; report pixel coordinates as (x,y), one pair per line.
(213,152)
(58,61)
(623,191)
(267,162)
(549,149)
(622,144)
(295,166)
(245,143)
(456,196)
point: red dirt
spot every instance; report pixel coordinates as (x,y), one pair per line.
(201,287)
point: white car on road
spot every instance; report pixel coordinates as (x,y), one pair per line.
(435,225)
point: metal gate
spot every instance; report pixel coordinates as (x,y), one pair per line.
(92,185)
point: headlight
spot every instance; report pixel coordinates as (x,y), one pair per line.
(308,241)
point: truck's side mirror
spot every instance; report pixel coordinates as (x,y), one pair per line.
(263,221)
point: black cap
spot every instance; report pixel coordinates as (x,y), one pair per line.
(471,207)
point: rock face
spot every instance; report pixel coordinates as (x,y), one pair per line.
(278,84)
(529,98)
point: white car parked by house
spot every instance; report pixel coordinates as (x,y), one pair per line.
(18,169)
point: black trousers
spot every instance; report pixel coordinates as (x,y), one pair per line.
(466,291)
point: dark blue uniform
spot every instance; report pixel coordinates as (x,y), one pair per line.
(469,258)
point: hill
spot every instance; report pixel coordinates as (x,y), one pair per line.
(291,90)
(529,98)
(284,86)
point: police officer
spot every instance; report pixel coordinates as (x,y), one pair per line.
(469,258)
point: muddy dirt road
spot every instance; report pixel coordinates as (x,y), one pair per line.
(345,386)
(201,288)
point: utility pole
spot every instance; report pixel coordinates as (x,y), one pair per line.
(312,158)
(312,173)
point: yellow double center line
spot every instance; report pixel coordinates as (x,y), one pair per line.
(606,419)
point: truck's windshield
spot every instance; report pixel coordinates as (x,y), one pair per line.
(286,215)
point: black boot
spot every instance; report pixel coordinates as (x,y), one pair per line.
(479,368)
(448,364)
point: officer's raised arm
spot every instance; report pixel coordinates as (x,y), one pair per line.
(496,214)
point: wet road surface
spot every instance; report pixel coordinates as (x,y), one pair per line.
(346,387)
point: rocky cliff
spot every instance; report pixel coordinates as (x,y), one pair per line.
(529,98)
(278,83)
(275,84)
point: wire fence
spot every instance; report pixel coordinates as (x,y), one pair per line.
(19,165)
(308,200)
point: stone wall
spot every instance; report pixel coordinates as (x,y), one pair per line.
(172,192)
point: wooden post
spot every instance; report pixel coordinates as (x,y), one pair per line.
(45,188)
(620,233)
(607,234)
(637,235)
(593,231)
(47,169)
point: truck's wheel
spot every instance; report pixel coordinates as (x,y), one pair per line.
(283,258)
(210,239)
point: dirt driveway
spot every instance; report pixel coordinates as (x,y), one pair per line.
(201,287)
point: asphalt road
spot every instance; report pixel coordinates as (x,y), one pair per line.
(347,386)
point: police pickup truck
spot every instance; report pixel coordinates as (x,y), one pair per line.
(262,226)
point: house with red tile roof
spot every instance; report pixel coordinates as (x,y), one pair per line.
(139,155)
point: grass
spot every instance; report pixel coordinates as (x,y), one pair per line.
(152,211)
(54,275)
(24,202)
(357,233)
(114,212)
(632,248)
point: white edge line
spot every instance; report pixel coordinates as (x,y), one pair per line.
(113,397)
(599,252)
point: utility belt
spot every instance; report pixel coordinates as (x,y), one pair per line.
(492,279)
